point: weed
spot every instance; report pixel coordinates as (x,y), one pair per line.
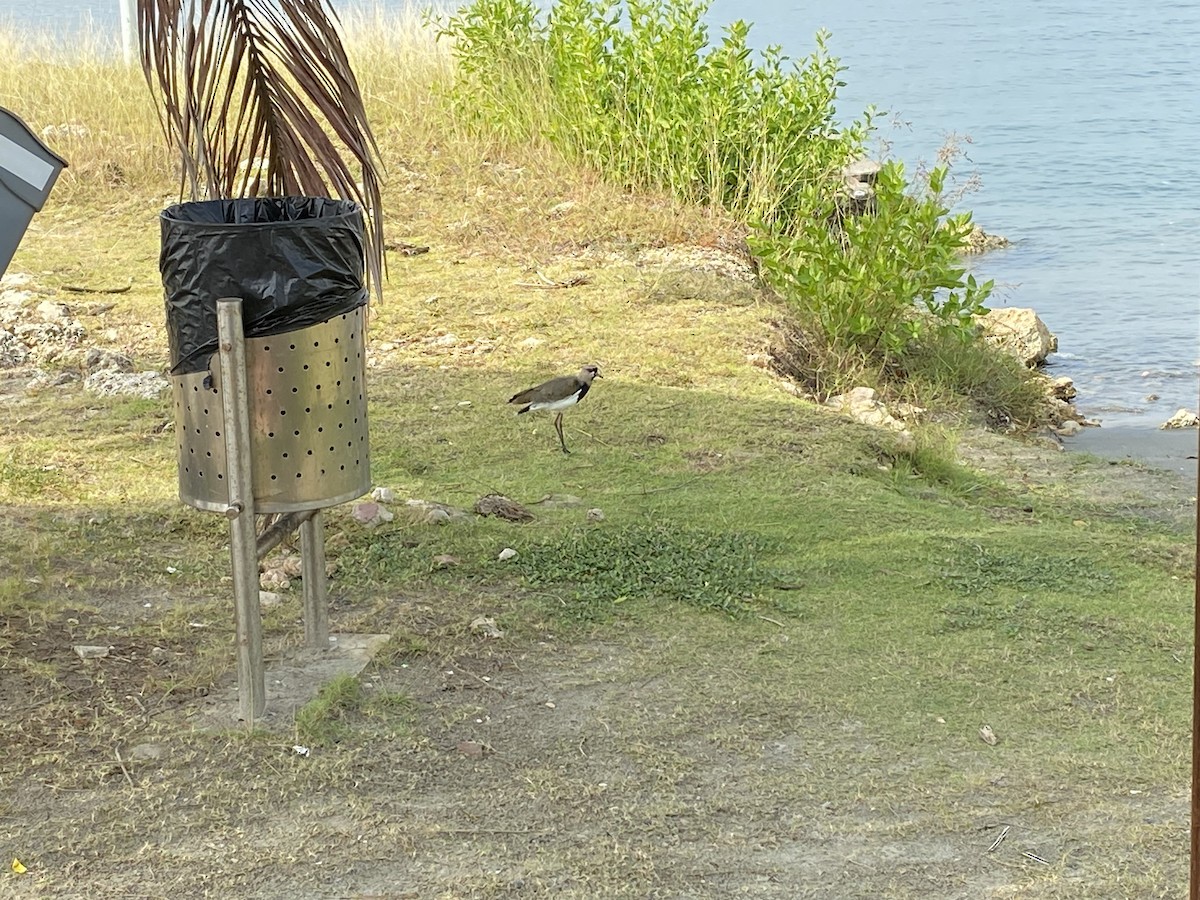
(976,570)
(603,568)
(343,706)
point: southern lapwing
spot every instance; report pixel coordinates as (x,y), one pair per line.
(556,395)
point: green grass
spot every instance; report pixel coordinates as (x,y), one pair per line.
(344,710)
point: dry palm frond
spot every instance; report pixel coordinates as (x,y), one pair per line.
(247,88)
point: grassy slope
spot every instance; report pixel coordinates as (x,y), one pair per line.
(824,742)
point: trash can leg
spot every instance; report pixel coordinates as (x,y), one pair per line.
(312,556)
(235,400)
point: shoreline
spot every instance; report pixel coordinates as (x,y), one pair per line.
(1174,450)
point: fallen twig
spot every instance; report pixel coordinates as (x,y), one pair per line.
(549,284)
(83,289)
(121,763)
(996,843)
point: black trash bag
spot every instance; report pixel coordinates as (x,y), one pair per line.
(294,262)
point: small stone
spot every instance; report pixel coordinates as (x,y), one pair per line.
(550,704)
(273,580)
(98,359)
(371,514)
(530,343)
(383,495)
(1150,398)
(49,311)
(147,752)
(1063,388)
(1069,428)
(486,626)
(427,512)
(90,651)
(987,735)
(506,554)
(269,598)
(464,404)
(595,514)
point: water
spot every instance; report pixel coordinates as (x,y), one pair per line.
(1082,125)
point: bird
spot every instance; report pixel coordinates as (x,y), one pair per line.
(556,395)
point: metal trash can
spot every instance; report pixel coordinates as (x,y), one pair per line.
(308,421)
(28,170)
(297,264)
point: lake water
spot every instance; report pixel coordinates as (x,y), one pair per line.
(1082,119)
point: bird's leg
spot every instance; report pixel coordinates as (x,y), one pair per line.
(558,428)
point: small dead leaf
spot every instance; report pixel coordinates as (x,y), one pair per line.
(18,867)
(445,561)
(988,736)
(474,749)
(502,508)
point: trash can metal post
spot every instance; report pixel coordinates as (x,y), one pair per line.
(235,402)
(316,610)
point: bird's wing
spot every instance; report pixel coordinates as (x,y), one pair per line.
(554,389)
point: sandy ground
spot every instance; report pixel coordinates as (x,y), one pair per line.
(1175,450)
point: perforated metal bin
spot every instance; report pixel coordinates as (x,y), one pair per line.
(308,421)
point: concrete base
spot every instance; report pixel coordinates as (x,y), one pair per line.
(292,682)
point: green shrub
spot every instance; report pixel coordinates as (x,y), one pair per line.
(878,279)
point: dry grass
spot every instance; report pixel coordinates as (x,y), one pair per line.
(823,744)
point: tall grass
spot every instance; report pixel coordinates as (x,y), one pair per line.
(88,106)
(635,91)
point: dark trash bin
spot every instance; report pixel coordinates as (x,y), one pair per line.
(28,170)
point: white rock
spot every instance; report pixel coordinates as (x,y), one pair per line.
(49,311)
(1182,419)
(269,598)
(15,298)
(147,752)
(98,359)
(147,385)
(1019,332)
(383,495)
(486,626)
(506,554)
(371,514)
(14,280)
(595,514)
(90,651)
